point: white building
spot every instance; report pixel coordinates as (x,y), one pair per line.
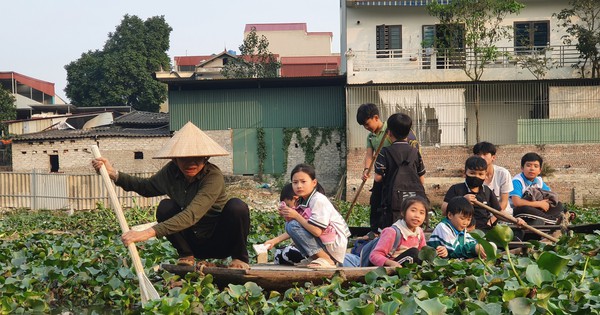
(393,59)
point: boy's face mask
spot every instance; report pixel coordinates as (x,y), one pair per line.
(473,181)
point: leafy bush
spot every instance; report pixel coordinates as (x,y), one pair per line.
(52,262)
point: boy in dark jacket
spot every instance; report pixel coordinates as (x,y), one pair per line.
(400,168)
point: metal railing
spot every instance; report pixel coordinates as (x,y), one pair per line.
(430,58)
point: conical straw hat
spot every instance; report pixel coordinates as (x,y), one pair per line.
(190,141)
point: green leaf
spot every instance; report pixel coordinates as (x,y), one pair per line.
(389,308)
(409,307)
(489,248)
(521,306)
(366,309)
(493,308)
(471,283)
(373,275)
(115,283)
(253,288)
(552,262)
(432,306)
(501,234)
(536,276)
(427,253)
(236,290)
(349,305)
(124,272)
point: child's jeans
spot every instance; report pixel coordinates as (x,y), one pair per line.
(307,243)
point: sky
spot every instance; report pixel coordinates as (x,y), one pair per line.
(40,37)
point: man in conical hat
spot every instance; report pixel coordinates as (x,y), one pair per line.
(198,219)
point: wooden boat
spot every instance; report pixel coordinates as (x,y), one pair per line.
(275,277)
(282,277)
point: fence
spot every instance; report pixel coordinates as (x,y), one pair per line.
(504,112)
(37,190)
(429,58)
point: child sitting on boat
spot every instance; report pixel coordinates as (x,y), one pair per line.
(290,255)
(531,198)
(411,239)
(323,236)
(450,237)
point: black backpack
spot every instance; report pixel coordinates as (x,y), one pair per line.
(403,183)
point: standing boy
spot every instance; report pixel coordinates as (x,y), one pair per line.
(400,168)
(368,116)
(546,210)
(450,237)
(474,189)
(498,178)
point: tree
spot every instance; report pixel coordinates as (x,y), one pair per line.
(255,59)
(121,73)
(8,109)
(477,26)
(582,23)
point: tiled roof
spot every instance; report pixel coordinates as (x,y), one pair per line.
(191,60)
(143,118)
(112,131)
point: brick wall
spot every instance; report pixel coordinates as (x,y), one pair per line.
(74,155)
(576,177)
(329,161)
(224,139)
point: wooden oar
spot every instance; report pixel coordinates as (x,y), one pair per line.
(364,180)
(147,290)
(514,220)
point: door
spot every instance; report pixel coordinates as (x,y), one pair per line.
(245,151)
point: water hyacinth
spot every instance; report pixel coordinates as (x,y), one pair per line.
(52,263)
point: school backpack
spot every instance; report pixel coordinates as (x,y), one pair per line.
(366,250)
(403,183)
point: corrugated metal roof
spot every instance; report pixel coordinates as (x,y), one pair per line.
(401,3)
(143,118)
(112,131)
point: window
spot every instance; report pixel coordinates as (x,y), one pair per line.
(531,35)
(54,163)
(187,68)
(138,155)
(389,41)
(449,44)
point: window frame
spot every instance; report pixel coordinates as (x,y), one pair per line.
(385,39)
(530,45)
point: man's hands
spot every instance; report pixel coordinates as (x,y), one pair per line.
(137,236)
(97,164)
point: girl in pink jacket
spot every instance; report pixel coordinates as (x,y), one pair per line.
(412,239)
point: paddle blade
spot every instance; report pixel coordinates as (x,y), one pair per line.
(147,290)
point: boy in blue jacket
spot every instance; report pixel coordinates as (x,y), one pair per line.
(450,237)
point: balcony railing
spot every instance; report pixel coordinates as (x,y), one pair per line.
(429,58)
